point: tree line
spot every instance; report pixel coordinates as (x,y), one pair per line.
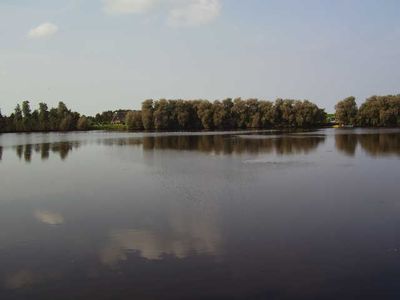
(59,118)
(376,111)
(224,115)
(228,114)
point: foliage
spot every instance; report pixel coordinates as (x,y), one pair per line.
(346,111)
(376,111)
(380,111)
(57,119)
(83,123)
(134,120)
(237,114)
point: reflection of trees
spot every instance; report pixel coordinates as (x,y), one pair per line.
(224,144)
(346,143)
(376,144)
(28,153)
(380,144)
(19,149)
(44,151)
(291,145)
(61,148)
(1,153)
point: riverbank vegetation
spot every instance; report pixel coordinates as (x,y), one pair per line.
(23,119)
(171,115)
(224,115)
(228,114)
(376,111)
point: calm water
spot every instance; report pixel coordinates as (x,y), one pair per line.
(241,215)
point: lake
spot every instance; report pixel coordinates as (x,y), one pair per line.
(224,215)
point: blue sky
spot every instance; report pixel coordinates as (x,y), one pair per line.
(97,55)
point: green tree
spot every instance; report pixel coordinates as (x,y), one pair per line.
(183,114)
(147,114)
(383,111)
(346,111)
(66,123)
(267,113)
(17,120)
(54,122)
(26,116)
(43,116)
(240,113)
(62,110)
(134,121)
(2,123)
(161,115)
(205,114)
(82,123)
(254,115)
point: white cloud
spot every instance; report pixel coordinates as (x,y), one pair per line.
(195,12)
(42,31)
(179,12)
(128,6)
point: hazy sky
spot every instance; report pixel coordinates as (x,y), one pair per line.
(97,55)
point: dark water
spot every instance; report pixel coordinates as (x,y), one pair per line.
(261,215)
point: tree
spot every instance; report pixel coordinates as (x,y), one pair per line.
(254,115)
(161,115)
(205,114)
(381,111)
(219,114)
(83,123)
(183,114)
(43,116)
(346,111)
(62,110)
(2,123)
(105,117)
(26,116)
(53,120)
(267,113)
(134,121)
(147,114)
(66,123)
(240,113)
(17,120)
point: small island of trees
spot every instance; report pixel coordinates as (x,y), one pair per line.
(228,114)
(376,111)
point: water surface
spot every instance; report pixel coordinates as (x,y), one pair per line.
(229,215)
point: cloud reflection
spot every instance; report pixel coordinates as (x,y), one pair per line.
(149,245)
(49,217)
(20,279)
(186,232)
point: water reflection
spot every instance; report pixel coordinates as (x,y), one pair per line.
(44,149)
(210,144)
(374,144)
(187,230)
(380,144)
(198,226)
(224,144)
(149,245)
(19,279)
(346,143)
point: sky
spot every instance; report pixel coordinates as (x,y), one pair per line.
(97,55)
